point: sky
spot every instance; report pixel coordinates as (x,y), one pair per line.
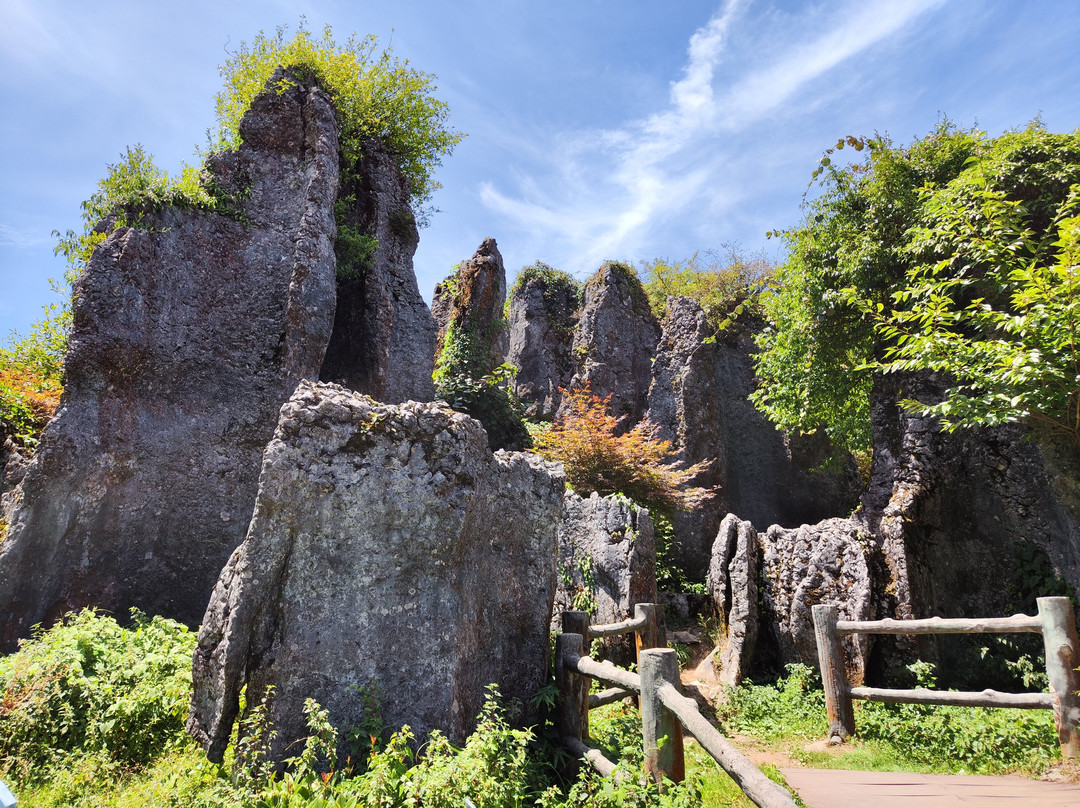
(596,129)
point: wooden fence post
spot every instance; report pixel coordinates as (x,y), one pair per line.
(649,636)
(833,679)
(577,623)
(573,688)
(660,729)
(1062,659)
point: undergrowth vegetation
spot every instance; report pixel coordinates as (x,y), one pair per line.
(92,714)
(91,692)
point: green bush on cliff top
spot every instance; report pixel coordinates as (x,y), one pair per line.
(375,95)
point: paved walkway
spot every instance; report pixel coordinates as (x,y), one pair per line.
(836,788)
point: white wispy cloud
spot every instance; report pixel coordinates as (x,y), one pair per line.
(22,238)
(622,182)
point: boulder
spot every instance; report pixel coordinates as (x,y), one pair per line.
(543,316)
(390,551)
(383,342)
(830,562)
(607,563)
(615,341)
(764,587)
(975,523)
(189,331)
(732,584)
(471,303)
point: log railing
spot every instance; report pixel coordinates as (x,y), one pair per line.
(665,712)
(1055,621)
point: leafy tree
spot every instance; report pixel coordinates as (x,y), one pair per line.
(993,298)
(636,463)
(895,232)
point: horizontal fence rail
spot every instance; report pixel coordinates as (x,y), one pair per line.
(665,712)
(1017,624)
(1055,621)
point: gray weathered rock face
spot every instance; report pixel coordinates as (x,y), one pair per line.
(615,341)
(699,397)
(607,562)
(971,523)
(471,301)
(383,343)
(189,332)
(12,470)
(765,585)
(389,549)
(830,562)
(542,323)
(733,586)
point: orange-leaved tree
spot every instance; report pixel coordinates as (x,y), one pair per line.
(637,464)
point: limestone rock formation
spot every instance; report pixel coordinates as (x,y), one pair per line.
(12,470)
(543,317)
(971,523)
(383,343)
(471,302)
(389,550)
(607,562)
(615,341)
(189,332)
(699,397)
(733,585)
(974,523)
(830,562)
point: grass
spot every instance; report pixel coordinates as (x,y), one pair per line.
(788,719)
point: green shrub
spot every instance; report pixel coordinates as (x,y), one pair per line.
(355,252)
(32,371)
(87,686)
(725,286)
(491,401)
(375,95)
(793,706)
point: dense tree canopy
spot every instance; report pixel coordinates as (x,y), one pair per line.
(955,254)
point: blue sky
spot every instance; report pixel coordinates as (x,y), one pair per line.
(597,129)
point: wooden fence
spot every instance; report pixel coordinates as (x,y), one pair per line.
(665,712)
(1055,621)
